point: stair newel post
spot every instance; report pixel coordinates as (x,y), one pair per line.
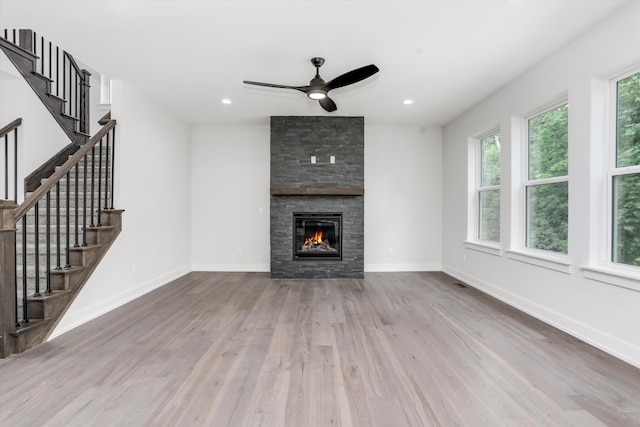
(25,40)
(8,294)
(85,89)
(25,314)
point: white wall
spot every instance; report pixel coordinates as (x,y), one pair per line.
(603,314)
(402,201)
(230,198)
(153,187)
(230,185)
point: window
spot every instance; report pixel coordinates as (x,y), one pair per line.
(547,182)
(488,188)
(626,172)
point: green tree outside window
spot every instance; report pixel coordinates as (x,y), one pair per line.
(547,218)
(626,183)
(488,194)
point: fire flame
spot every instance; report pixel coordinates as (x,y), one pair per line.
(316,239)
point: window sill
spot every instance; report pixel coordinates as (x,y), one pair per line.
(485,247)
(559,263)
(623,277)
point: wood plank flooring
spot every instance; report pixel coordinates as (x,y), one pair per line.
(392,349)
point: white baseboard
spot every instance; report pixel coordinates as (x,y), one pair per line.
(93,311)
(384,268)
(243,268)
(623,350)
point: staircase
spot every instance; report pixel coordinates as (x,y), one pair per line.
(52,242)
(59,83)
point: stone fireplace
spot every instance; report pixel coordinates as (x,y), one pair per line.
(317,197)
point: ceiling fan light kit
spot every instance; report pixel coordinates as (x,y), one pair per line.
(317,94)
(318,89)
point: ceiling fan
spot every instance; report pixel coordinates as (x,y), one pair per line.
(318,89)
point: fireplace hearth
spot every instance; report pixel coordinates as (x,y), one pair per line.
(317,236)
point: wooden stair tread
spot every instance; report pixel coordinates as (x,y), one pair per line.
(28,327)
(48,295)
(89,247)
(68,270)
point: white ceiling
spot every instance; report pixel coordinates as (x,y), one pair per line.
(189,55)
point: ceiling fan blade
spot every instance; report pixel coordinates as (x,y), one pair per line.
(328,104)
(300,88)
(352,77)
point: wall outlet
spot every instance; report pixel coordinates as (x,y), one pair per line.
(134,268)
(313,160)
(390,251)
(260,211)
(332,159)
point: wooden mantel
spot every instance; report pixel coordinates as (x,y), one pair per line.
(317,191)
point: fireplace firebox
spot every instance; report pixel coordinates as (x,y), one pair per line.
(317,236)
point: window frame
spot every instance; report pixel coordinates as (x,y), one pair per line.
(615,171)
(479,188)
(528,183)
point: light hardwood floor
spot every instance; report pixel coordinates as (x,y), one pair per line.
(393,349)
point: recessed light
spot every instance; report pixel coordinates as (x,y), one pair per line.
(407,101)
(226,101)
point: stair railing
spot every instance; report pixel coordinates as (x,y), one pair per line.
(48,224)
(9,134)
(68,81)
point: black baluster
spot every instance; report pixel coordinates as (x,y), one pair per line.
(57,70)
(42,56)
(37,248)
(48,242)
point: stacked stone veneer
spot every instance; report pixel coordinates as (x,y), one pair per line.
(293,141)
